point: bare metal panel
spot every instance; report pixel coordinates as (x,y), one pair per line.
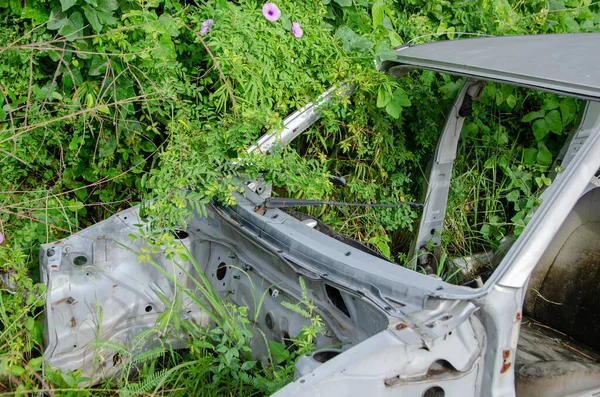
(566,64)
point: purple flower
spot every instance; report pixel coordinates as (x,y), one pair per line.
(296,29)
(1,238)
(206,26)
(271,12)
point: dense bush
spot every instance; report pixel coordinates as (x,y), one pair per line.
(107,103)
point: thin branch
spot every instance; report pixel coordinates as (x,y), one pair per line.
(25,129)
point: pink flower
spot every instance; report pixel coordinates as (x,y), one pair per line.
(296,29)
(1,238)
(271,12)
(206,26)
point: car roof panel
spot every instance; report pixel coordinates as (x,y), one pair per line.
(566,64)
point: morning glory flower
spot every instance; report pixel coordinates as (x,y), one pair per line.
(206,26)
(296,29)
(271,12)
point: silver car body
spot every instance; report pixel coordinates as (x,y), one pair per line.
(401,333)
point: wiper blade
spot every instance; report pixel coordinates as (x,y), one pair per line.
(290,202)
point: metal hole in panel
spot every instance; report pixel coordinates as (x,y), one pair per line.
(180,234)
(80,260)
(221,271)
(270,321)
(434,391)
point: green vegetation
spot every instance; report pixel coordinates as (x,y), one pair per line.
(105,104)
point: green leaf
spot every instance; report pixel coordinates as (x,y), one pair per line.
(68,75)
(442,28)
(35,363)
(285,22)
(503,94)
(108,147)
(395,38)
(490,163)
(248,365)
(511,101)
(16,370)
(92,2)
(107,18)
(544,157)
(74,205)
(532,116)
(393,109)
(344,3)
(513,196)
(384,52)
(89,100)
(37,15)
(384,248)
(553,122)
(551,102)
(383,97)
(399,100)
(147,146)
(401,97)
(15,6)
(352,41)
(501,137)
(107,5)
(29,323)
(57,19)
(66,4)
(530,156)
(571,24)
(568,110)
(73,26)
(519,218)
(540,129)
(486,230)
(278,351)
(378,12)
(92,17)
(97,67)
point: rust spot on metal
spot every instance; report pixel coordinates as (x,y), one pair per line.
(68,300)
(73,322)
(430,325)
(260,210)
(505,353)
(518,317)
(115,285)
(400,326)
(446,317)
(59,302)
(505,367)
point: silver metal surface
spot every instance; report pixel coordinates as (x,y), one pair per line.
(438,181)
(299,121)
(399,332)
(562,63)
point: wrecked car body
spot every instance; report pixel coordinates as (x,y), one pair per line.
(400,332)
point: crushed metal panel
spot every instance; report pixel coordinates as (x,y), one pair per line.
(97,291)
(565,64)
